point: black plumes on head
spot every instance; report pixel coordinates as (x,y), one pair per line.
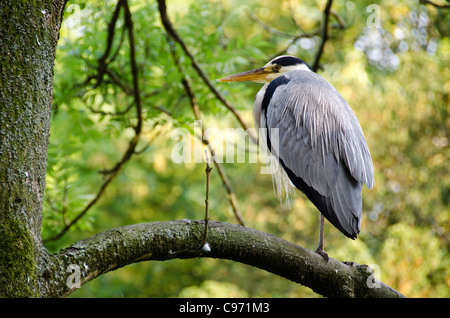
(288,60)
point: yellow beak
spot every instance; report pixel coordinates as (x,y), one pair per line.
(258,75)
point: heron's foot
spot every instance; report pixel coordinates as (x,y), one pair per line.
(322,253)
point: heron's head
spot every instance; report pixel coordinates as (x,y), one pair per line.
(275,68)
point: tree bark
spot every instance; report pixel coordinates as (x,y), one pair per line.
(162,241)
(28,37)
(28,40)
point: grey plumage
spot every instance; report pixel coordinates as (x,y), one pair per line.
(315,140)
(321,145)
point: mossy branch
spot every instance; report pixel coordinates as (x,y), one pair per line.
(161,241)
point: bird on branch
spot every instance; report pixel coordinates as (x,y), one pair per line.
(313,135)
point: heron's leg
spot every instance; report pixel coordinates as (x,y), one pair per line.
(319,249)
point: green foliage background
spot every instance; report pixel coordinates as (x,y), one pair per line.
(395,77)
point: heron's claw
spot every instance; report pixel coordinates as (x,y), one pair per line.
(322,253)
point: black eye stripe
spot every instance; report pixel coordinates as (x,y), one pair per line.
(287,60)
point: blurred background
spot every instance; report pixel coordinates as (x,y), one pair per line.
(389,60)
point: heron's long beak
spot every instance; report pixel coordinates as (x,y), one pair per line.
(258,75)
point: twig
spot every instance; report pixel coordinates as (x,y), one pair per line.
(440,6)
(134,68)
(294,37)
(118,113)
(326,14)
(204,247)
(208,172)
(266,27)
(340,21)
(276,32)
(205,141)
(115,78)
(83,212)
(116,53)
(292,41)
(64,202)
(174,35)
(102,60)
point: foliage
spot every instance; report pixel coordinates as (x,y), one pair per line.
(395,77)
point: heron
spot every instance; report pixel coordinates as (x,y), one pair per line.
(319,143)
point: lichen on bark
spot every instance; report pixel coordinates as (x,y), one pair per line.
(28,37)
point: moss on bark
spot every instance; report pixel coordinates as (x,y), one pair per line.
(28,38)
(17,262)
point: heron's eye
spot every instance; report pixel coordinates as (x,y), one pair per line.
(276,67)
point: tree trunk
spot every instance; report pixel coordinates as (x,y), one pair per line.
(28,38)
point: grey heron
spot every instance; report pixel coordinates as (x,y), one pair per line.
(320,144)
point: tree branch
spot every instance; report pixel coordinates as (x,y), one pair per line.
(160,241)
(326,14)
(112,173)
(208,172)
(196,110)
(174,35)
(102,60)
(439,6)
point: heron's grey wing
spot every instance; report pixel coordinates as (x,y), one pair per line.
(320,144)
